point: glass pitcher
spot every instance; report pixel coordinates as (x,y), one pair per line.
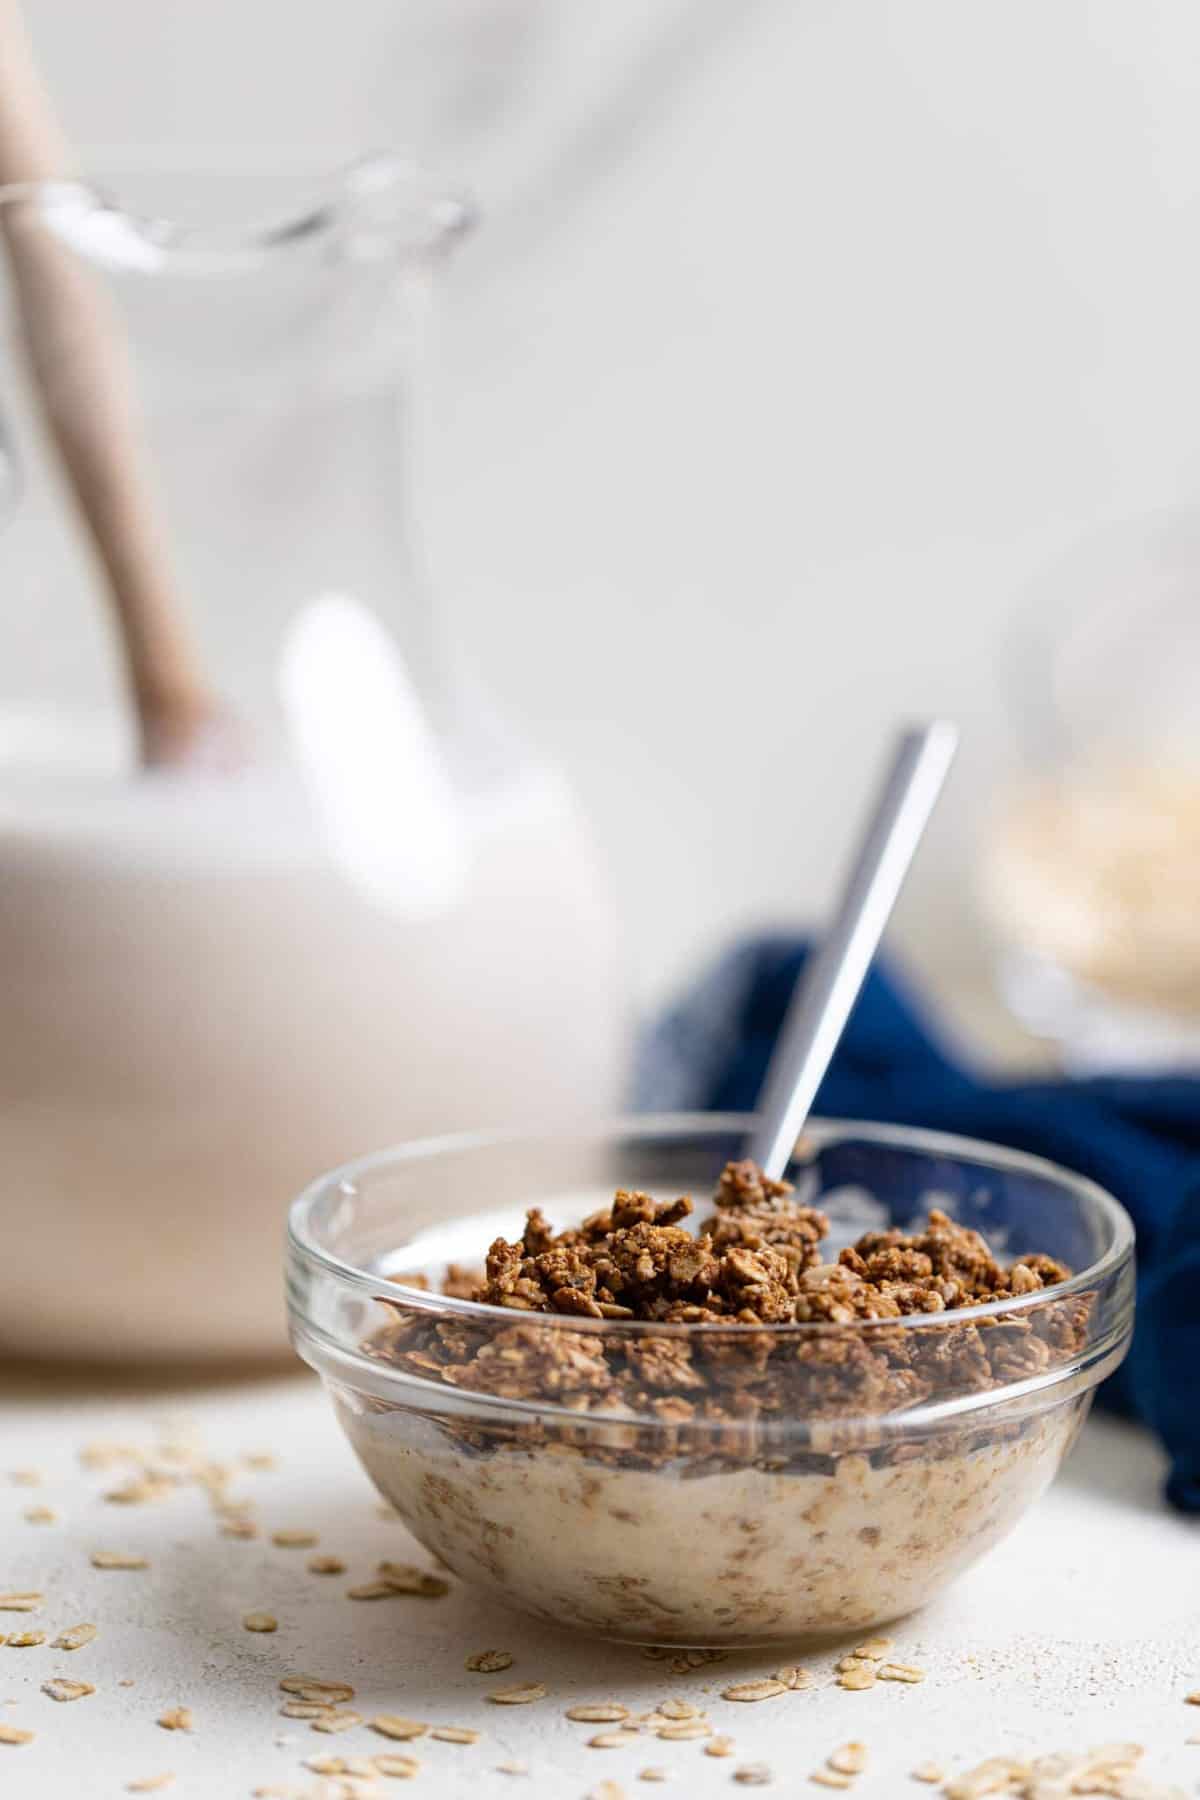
(363,911)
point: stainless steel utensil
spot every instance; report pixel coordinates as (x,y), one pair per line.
(835,973)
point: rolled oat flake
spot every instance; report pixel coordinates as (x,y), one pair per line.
(391,1725)
(401,1768)
(489,1662)
(519,1694)
(61,1689)
(679,1709)
(333,1722)
(767,1689)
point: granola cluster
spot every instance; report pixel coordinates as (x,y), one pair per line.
(753,1265)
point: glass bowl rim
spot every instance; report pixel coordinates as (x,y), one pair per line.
(302,1244)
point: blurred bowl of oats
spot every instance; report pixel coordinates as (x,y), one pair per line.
(1090,863)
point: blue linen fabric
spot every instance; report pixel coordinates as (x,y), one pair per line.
(1139,1137)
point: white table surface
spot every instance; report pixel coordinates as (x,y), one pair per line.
(1083,1628)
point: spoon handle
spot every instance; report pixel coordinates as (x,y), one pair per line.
(836,970)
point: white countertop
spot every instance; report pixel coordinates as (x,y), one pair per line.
(1083,1628)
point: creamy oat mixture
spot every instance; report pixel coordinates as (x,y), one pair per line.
(734,1556)
(727,1485)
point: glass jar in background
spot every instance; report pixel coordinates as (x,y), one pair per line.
(1091,871)
(376,913)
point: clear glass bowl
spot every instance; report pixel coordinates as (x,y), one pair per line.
(838,1475)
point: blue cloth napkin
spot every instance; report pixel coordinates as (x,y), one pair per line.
(1139,1137)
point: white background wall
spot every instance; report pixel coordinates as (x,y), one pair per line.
(799,337)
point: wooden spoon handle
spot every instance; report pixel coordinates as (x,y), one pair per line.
(84,385)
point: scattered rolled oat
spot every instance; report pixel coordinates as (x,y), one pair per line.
(150,1784)
(371,1590)
(654,1773)
(455,1734)
(719,1746)
(855,1661)
(74,1637)
(753,1775)
(293,1540)
(102,1456)
(489,1662)
(402,1768)
(1192,1699)
(679,1709)
(391,1725)
(1122,1756)
(260,1621)
(894,1671)
(512,1768)
(685,1731)
(306,1709)
(855,1680)
(138,1491)
(830,1778)
(767,1689)
(311,1687)
(612,1740)
(874,1647)
(607,1790)
(176,1718)
(40,1515)
(326,1565)
(994,1775)
(405,1578)
(794,1677)
(998,1774)
(239,1528)
(519,1694)
(601,1712)
(333,1722)
(930,1772)
(26,1640)
(62,1689)
(12,1734)
(20,1602)
(117,1559)
(25,1477)
(850,1759)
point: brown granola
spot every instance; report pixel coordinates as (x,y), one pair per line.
(754,1264)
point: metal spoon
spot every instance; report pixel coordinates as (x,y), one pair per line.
(830,985)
